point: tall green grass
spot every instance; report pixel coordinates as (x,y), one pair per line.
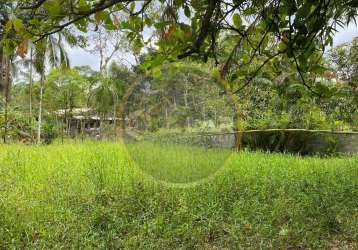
(177,163)
(144,196)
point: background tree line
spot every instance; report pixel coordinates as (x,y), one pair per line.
(184,96)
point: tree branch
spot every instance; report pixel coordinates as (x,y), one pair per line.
(226,66)
(33,6)
(257,71)
(85,14)
(144,6)
(302,77)
(205,29)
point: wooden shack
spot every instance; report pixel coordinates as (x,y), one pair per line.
(79,121)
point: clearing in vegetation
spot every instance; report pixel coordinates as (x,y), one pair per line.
(106,195)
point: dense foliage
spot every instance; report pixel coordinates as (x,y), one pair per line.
(299,30)
(266,64)
(179,96)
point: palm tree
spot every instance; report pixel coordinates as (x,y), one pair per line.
(5,65)
(9,69)
(50,50)
(104,96)
(5,85)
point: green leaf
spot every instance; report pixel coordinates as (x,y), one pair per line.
(323,90)
(137,45)
(18,25)
(148,21)
(109,23)
(100,16)
(233,77)
(282,46)
(237,20)
(156,72)
(8,26)
(81,25)
(132,6)
(8,46)
(216,74)
(187,11)
(179,34)
(83,5)
(161,25)
(53,7)
(296,87)
(304,10)
(319,69)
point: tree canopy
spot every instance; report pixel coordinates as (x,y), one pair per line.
(299,30)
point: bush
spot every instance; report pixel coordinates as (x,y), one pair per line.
(49,130)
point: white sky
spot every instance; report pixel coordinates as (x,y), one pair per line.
(79,57)
(345,35)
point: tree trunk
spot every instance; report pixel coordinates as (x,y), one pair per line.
(238,119)
(216,119)
(30,95)
(39,122)
(30,86)
(101,116)
(114,120)
(115,103)
(238,126)
(174,102)
(5,84)
(6,117)
(186,106)
(82,129)
(65,126)
(204,113)
(166,117)
(62,127)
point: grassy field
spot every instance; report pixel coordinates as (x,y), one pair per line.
(146,196)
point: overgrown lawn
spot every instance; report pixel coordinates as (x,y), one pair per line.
(146,196)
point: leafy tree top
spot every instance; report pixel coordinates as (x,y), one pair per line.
(297,29)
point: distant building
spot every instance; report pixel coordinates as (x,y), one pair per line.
(84,121)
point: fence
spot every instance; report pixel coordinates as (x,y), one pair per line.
(300,141)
